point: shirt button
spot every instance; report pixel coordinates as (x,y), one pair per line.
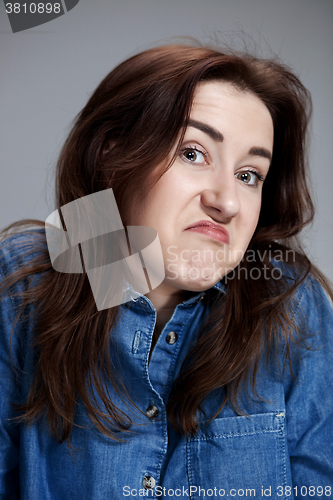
(148,482)
(171,338)
(152,411)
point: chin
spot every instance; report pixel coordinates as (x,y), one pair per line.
(195,285)
(197,276)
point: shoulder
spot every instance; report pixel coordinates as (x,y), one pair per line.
(310,311)
(305,343)
(310,302)
(21,249)
(313,316)
(18,254)
(308,382)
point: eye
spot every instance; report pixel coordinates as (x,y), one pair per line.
(250,177)
(193,155)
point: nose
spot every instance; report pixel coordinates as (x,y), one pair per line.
(221,198)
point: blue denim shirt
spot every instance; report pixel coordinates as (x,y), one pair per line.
(282,449)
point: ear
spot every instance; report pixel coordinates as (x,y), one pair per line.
(107,148)
(105,162)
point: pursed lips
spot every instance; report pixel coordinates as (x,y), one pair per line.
(211,230)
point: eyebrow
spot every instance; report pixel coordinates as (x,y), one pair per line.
(264,153)
(218,137)
(212,132)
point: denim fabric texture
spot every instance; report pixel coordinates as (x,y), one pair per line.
(283,448)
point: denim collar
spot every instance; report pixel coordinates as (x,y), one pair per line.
(135,296)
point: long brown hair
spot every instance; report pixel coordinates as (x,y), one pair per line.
(131,124)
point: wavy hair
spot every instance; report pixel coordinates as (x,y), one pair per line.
(132,123)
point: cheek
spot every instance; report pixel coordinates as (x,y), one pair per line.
(250,216)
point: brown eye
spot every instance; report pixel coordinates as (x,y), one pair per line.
(193,155)
(249,177)
(190,154)
(245,177)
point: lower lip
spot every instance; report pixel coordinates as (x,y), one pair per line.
(211,233)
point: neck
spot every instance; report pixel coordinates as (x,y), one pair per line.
(165,303)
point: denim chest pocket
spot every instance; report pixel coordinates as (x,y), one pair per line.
(238,457)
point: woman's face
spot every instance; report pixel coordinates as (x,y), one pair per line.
(205,208)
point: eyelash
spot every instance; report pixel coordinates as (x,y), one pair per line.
(259,176)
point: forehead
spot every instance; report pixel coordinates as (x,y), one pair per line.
(224,105)
(216,91)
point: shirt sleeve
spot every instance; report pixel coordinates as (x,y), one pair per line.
(9,394)
(309,396)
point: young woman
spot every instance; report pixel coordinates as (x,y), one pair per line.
(217,382)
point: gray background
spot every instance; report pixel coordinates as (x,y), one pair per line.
(48,73)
